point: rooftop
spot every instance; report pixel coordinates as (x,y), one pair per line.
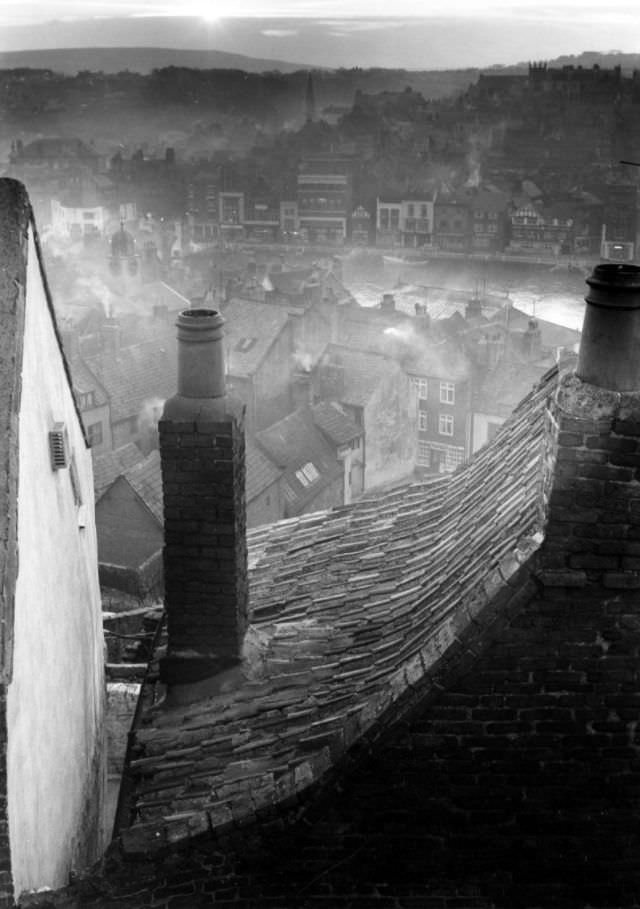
(363,371)
(349,608)
(334,423)
(251,327)
(110,465)
(307,460)
(135,375)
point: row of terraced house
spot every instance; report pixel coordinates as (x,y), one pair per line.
(79,194)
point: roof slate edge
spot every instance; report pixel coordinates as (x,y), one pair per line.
(14,230)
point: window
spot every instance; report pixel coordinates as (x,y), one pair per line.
(445,424)
(86,400)
(422,421)
(410,210)
(447,393)
(88,215)
(420,388)
(307,474)
(94,434)
(245,344)
(424,454)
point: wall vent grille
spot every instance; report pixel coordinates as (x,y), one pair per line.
(58,447)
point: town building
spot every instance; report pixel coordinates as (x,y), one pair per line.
(130,529)
(373,390)
(452,222)
(324,197)
(311,476)
(259,359)
(51,660)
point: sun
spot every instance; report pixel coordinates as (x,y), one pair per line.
(208,10)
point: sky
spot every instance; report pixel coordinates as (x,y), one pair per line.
(423,34)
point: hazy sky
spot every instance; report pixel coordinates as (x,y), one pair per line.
(333,32)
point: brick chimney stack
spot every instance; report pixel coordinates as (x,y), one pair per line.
(593,452)
(205,557)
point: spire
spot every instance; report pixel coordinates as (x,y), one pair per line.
(310,99)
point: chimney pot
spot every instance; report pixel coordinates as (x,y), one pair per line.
(201,368)
(610,344)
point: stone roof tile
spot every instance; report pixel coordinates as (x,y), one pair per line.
(349,607)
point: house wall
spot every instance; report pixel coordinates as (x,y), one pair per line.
(389,432)
(55,700)
(128,534)
(482,429)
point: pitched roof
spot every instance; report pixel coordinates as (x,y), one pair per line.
(350,608)
(308,462)
(251,327)
(336,425)
(135,375)
(112,464)
(145,478)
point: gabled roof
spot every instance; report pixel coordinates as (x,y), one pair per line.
(350,608)
(307,460)
(111,464)
(251,328)
(135,375)
(334,423)
(145,478)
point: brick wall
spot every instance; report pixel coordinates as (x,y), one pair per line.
(205,557)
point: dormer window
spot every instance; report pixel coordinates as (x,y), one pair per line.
(86,400)
(307,474)
(245,344)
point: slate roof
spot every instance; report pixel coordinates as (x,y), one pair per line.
(84,381)
(502,387)
(292,444)
(110,465)
(349,609)
(334,423)
(363,371)
(145,478)
(135,375)
(261,472)
(251,327)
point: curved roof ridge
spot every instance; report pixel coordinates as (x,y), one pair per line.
(351,608)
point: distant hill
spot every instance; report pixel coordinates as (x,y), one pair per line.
(70,61)
(587,59)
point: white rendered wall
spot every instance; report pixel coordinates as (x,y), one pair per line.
(55,703)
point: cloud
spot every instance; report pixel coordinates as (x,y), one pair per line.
(345,26)
(279,32)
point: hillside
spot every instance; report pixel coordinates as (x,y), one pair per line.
(70,61)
